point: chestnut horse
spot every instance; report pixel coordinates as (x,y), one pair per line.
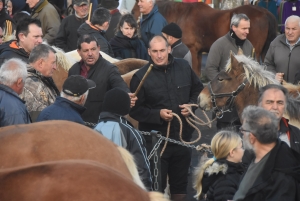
(239,84)
(202,25)
(29,144)
(76,180)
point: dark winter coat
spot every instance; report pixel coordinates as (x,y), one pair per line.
(180,50)
(10,50)
(152,25)
(134,140)
(12,108)
(280,59)
(124,47)
(106,76)
(166,87)
(221,180)
(114,21)
(279,179)
(67,37)
(62,109)
(99,35)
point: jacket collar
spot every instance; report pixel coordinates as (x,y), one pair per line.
(108,116)
(10,91)
(154,10)
(65,102)
(39,6)
(176,44)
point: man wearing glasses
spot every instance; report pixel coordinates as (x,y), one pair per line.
(274,174)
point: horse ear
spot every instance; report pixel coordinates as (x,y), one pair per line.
(240,52)
(235,65)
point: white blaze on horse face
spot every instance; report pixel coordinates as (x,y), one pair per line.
(242,30)
(204,100)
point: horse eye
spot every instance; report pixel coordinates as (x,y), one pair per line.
(220,79)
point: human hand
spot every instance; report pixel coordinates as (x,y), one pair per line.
(279,77)
(133,99)
(185,111)
(166,114)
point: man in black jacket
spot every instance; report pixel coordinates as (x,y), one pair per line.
(116,128)
(66,38)
(94,67)
(97,27)
(29,34)
(274,174)
(169,88)
(272,97)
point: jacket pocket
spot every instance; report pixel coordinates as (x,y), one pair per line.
(183,92)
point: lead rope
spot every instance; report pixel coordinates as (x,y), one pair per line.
(190,122)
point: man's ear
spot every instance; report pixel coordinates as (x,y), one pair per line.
(169,49)
(21,36)
(19,82)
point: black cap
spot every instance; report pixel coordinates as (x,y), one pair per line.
(80,2)
(76,85)
(109,4)
(116,101)
(172,29)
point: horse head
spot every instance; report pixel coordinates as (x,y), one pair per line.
(236,86)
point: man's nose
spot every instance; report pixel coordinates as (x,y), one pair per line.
(40,39)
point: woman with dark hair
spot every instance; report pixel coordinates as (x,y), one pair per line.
(126,43)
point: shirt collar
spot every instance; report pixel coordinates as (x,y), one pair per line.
(291,46)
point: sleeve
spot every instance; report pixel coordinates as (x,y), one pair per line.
(50,23)
(213,61)
(269,59)
(188,58)
(196,88)
(141,111)
(136,146)
(115,79)
(61,38)
(157,25)
(224,190)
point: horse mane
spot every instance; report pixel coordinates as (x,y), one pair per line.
(255,73)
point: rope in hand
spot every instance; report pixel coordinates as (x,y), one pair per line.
(190,121)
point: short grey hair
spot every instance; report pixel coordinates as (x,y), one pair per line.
(278,87)
(40,51)
(292,18)
(153,1)
(261,123)
(236,18)
(73,98)
(11,70)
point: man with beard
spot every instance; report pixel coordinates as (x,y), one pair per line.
(219,54)
(272,97)
(274,174)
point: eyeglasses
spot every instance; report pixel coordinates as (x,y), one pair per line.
(243,130)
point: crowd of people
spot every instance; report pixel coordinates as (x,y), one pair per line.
(262,165)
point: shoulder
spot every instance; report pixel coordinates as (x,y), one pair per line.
(221,41)
(141,72)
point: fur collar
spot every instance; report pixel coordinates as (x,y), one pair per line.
(216,168)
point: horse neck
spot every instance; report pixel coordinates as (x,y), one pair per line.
(248,96)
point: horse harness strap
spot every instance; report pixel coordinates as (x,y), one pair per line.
(230,101)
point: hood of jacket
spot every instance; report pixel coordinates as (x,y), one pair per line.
(12,46)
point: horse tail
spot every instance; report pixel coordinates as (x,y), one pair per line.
(156,196)
(272,33)
(129,161)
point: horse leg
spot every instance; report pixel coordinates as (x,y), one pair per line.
(195,61)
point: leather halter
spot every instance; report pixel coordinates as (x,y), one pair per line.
(230,101)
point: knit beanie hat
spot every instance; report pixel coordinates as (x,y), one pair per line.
(172,29)
(116,101)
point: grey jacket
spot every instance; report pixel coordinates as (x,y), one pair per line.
(180,50)
(219,54)
(279,58)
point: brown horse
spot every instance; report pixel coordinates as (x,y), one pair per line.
(202,26)
(240,85)
(29,144)
(76,180)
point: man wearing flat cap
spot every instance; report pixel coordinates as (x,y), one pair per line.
(66,38)
(71,103)
(112,6)
(173,34)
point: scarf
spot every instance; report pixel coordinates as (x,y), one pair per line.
(238,41)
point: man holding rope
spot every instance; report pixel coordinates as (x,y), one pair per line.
(169,88)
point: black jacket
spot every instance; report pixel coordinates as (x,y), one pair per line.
(135,144)
(294,134)
(99,35)
(66,38)
(106,76)
(221,180)
(115,18)
(280,178)
(125,47)
(10,50)
(166,87)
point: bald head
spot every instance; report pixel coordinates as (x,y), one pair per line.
(158,39)
(159,50)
